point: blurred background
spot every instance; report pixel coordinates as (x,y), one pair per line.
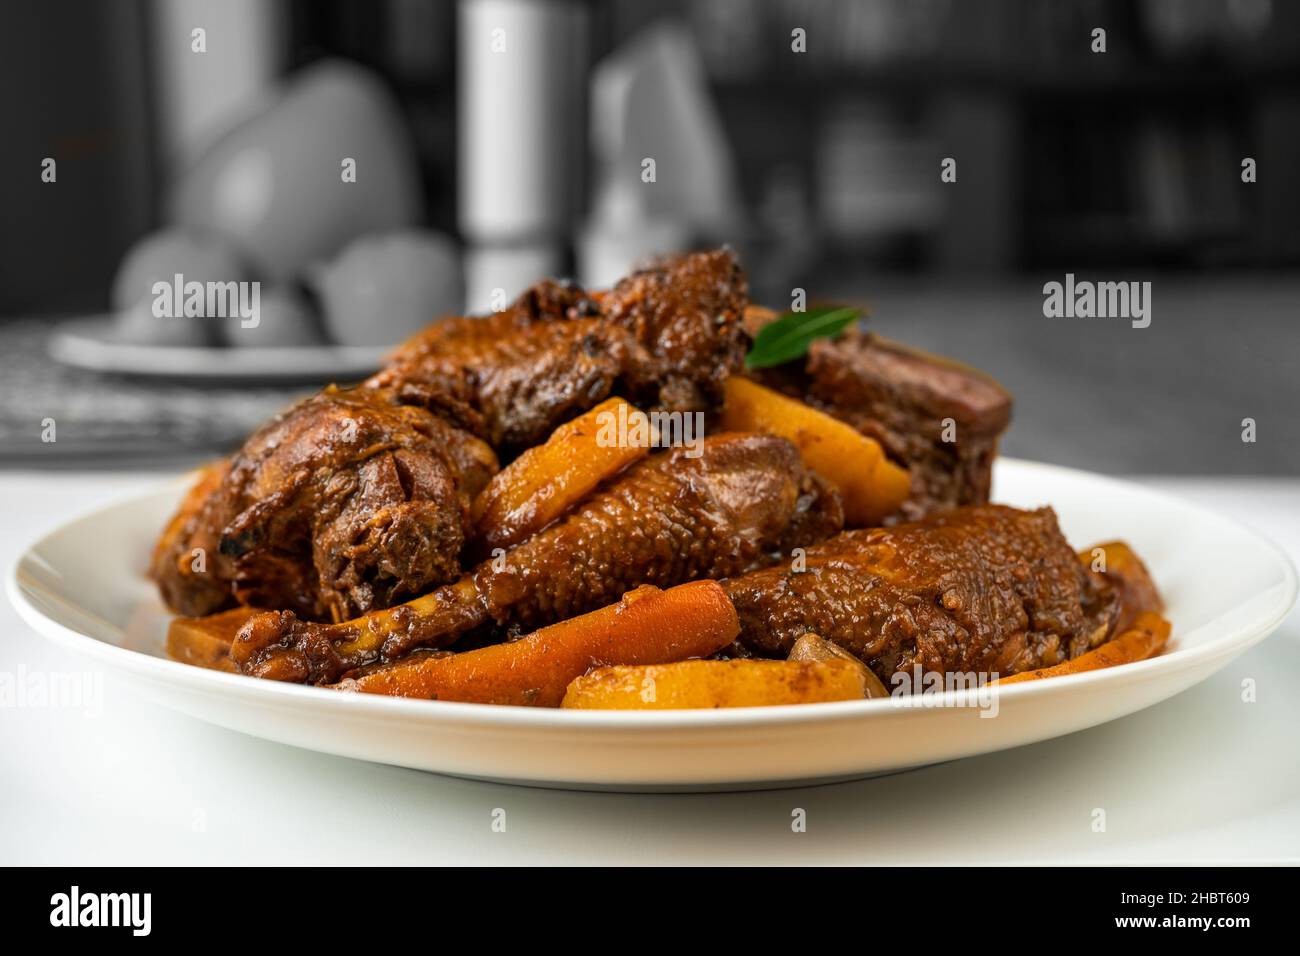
(490,143)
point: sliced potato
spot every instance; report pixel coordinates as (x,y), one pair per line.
(710,684)
(872,486)
(205,641)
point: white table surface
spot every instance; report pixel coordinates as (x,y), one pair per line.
(1203,777)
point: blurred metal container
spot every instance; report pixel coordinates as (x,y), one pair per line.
(521,118)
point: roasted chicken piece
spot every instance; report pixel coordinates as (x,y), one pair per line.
(669,519)
(981,589)
(666,337)
(347,502)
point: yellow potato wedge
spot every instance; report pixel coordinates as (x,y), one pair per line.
(205,641)
(1144,639)
(549,479)
(709,684)
(871,485)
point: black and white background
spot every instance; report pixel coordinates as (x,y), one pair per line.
(823,167)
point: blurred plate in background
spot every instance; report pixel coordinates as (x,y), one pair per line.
(90,344)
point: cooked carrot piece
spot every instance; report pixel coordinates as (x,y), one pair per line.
(709,684)
(872,486)
(648,626)
(1144,639)
(549,479)
(205,641)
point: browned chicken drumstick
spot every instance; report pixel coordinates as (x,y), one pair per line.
(982,589)
(670,519)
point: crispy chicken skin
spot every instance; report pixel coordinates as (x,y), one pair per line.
(347,502)
(984,589)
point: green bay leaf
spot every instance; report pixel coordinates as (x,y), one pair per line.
(790,335)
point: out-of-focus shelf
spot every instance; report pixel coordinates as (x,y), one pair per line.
(1079,78)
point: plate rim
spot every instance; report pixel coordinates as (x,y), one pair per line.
(163,670)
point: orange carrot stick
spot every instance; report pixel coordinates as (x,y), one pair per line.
(648,626)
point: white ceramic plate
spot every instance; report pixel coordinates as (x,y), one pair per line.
(1227,588)
(90,344)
